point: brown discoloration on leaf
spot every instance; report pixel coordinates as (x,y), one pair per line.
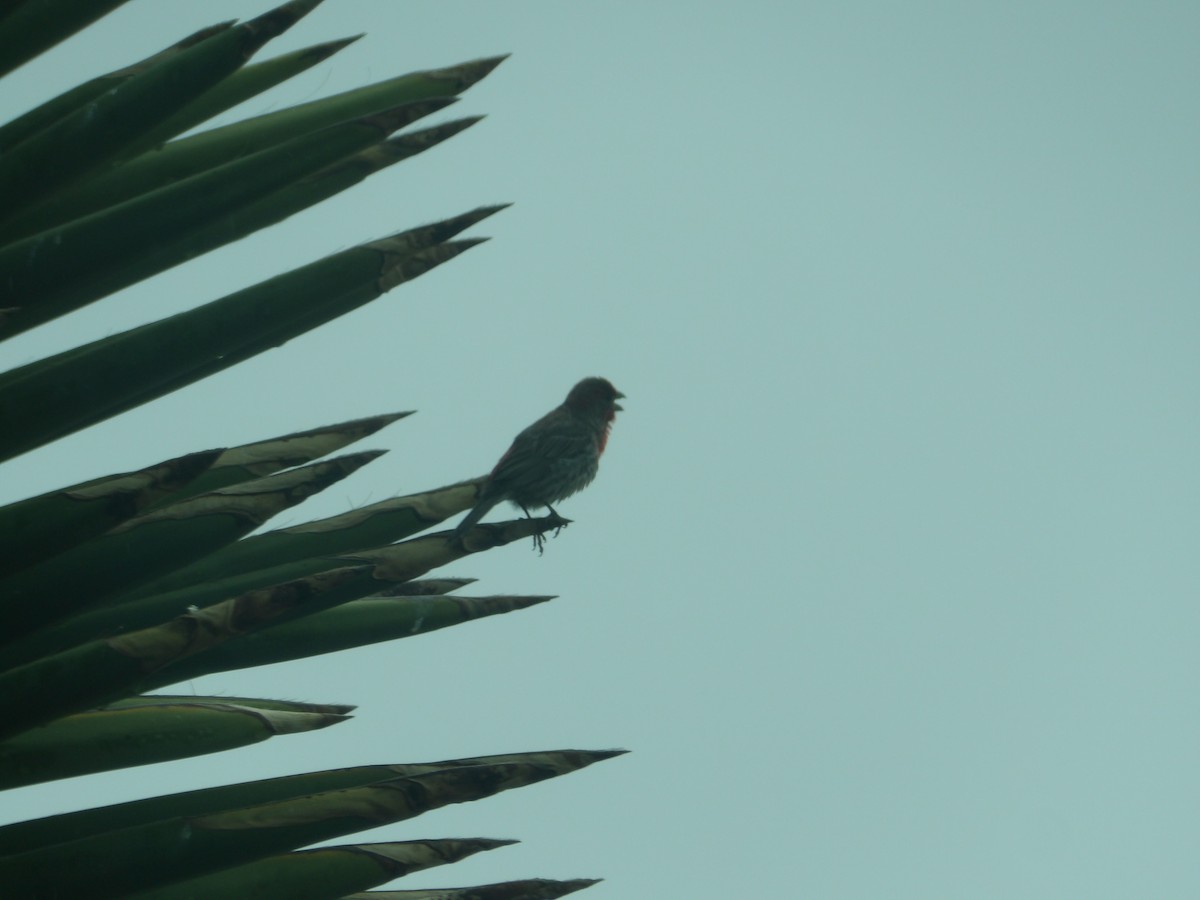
(142,488)
(266,457)
(394,149)
(334,709)
(399,268)
(416,556)
(526,889)
(562,762)
(405,243)
(261,498)
(431,506)
(426,587)
(402,857)
(279,721)
(201,629)
(390,120)
(384,802)
(462,76)
(406,560)
(416,141)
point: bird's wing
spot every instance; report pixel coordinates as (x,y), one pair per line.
(540,447)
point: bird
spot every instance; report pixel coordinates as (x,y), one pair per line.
(555,457)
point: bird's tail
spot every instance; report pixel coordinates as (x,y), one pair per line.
(481,509)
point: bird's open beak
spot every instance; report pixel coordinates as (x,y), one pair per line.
(618,406)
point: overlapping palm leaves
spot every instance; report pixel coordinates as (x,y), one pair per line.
(142,579)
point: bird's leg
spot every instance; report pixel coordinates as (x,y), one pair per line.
(554,512)
(539,542)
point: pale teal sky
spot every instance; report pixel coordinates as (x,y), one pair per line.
(889,577)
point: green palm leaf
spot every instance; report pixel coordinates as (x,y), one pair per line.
(124,584)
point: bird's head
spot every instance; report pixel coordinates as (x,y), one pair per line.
(594,397)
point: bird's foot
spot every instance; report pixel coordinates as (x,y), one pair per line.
(557,522)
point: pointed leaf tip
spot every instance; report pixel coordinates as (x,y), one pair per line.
(601,755)
(437,133)
(276,21)
(329,48)
(518,601)
(578,884)
(492,843)
(396,117)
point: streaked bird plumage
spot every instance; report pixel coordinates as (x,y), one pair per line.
(555,457)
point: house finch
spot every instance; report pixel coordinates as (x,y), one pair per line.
(554,457)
